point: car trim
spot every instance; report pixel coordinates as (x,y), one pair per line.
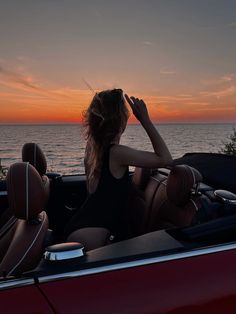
(137,263)
(14,283)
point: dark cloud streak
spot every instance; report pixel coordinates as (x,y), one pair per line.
(18,78)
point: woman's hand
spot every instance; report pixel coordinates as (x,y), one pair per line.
(139,108)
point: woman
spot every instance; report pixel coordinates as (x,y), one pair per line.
(107,162)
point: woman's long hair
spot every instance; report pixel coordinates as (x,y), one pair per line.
(104,120)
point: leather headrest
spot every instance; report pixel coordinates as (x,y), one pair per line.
(32,153)
(141,176)
(26,192)
(181,180)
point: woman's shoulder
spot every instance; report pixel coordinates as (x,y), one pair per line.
(117,169)
(117,151)
(118,148)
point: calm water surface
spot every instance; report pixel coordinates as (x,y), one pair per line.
(64,144)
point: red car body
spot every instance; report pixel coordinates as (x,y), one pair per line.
(188,284)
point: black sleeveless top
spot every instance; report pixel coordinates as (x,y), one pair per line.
(106,207)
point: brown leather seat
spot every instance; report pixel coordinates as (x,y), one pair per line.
(91,238)
(144,186)
(22,245)
(140,177)
(32,153)
(176,200)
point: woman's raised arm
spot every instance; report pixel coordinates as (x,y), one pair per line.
(127,156)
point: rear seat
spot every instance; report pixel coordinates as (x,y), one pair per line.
(163,202)
(155,202)
(176,201)
(141,197)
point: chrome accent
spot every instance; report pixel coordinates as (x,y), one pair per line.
(70,208)
(137,263)
(64,255)
(3,193)
(15,283)
(218,194)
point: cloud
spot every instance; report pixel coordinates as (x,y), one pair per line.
(184,95)
(226,78)
(25,97)
(231,24)
(147,43)
(18,78)
(167,71)
(228,91)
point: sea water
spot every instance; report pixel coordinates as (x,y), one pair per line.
(64,144)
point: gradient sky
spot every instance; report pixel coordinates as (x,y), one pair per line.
(178,55)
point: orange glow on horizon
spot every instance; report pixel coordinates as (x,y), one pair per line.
(30,103)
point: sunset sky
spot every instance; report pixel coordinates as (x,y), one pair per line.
(178,55)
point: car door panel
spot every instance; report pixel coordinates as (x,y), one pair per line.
(190,285)
(24,300)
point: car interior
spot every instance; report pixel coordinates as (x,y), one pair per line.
(169,210)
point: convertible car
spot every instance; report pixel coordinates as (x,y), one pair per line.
(179,257)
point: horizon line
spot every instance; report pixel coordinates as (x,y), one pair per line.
(135,123)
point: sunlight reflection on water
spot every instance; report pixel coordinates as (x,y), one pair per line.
(64,144)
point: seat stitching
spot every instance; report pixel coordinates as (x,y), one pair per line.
(193,174)
(164,183)
(195,205)
(7,225)
(35,149)
(27,190)
(29,246)
(156,179)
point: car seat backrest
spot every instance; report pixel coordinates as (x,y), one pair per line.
(176,201)
(24,241)
(32,153)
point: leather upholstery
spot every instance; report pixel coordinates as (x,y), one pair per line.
(91,238)
(181,180)
(26,246)
(164,202)
(21,245)
(140,177)
(26,193)
(32,153)
(141,200)
(173,203)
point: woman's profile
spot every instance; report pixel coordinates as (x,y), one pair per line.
(107,161)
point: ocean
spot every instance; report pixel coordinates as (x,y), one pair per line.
(64,144)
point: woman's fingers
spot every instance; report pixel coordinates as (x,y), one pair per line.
(138,106)
(130,102)
(129,99)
